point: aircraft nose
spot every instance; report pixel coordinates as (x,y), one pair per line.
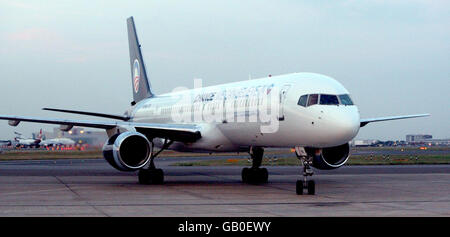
(347,126)
(342,127)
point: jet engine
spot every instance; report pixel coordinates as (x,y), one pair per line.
(330,157)
(128,151)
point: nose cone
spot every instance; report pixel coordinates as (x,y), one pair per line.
(347,126)
(342,126)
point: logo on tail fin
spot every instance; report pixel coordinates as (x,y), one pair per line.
(136,72)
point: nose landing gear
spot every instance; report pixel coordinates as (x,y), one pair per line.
(306,160)
(255,174)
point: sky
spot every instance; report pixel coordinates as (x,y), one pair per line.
(393,56)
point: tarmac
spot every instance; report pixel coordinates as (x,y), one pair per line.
(93,188)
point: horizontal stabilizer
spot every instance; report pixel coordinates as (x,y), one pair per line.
(364,122)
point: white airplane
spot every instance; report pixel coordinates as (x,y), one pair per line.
(5,143)
(310,112)
(57,142)
(28,142)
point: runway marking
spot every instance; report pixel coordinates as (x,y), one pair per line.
(79,196)
(35,191)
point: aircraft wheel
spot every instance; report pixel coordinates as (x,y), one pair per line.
(254,176)
(311,186)
(245,174)
(151,176)
(144,176)
(158,176)
(299,187)
(264,175)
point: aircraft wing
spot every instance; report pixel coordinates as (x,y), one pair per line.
(364,122)
(112,116)
(175,132)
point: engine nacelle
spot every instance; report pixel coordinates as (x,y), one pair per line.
(330,157)
(127,151)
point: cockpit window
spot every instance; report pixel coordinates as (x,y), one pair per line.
(302,100)
(328,99)
(324,99)
(345,99)
(313,99)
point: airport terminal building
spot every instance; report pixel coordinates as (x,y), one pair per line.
(426,139)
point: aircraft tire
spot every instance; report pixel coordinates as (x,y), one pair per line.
(245,175)
(144,176)
(311,186)
(299,187)
(264,175)
(151,176)
(158,176)
(255,176)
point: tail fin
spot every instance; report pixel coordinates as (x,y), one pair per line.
(40,134)
(141,85)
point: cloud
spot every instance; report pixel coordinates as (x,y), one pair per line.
(40,41)
(33,34)
(21,5)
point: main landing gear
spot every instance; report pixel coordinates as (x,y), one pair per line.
(306,160)
(255,174)
(152,175)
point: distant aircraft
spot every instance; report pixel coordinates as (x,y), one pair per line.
(28,142)
(310,112)
(57,142)
(5,143)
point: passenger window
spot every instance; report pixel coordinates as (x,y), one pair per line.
(302,100)
(328,99)
(312,99)
(345,99)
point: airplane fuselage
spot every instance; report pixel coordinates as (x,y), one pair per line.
(261,112)
(57,141)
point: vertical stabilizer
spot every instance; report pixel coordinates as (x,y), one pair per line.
(40,134)
(141,85)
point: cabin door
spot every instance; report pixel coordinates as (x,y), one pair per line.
(282,99)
